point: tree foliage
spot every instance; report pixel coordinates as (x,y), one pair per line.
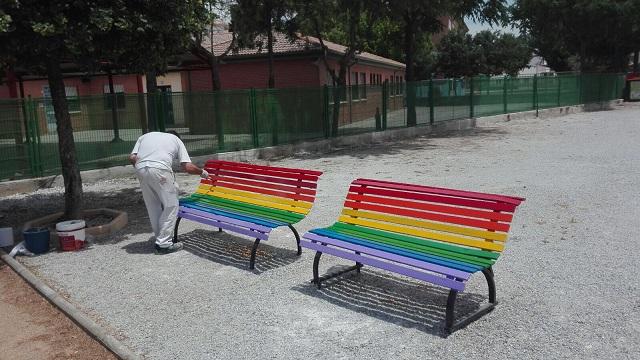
(600,34)
(134,35)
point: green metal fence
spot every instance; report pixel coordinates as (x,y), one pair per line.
(106,127)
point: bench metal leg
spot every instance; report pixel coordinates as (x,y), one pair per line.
(295,233)
(318,279)
(175,230)
(450,325)
(219,229)
(252,261)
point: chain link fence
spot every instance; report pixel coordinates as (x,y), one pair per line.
(106,127)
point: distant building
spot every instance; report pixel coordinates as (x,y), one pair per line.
(537,65)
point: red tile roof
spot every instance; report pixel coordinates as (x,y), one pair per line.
(220,42)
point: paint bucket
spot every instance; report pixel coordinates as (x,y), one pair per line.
(71,234)
(6,237)
(36,240)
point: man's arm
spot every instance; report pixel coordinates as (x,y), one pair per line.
(192,169)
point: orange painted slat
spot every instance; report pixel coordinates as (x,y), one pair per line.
(283,194)
(292,189)
(490,215)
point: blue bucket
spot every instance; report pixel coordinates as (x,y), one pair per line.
(36,240)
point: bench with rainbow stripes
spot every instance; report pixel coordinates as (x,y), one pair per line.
(438,235)
(251,200)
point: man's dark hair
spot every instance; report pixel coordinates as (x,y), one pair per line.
(173,132)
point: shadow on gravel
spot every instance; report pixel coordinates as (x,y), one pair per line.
(230,250)
(397,300)
(362,151)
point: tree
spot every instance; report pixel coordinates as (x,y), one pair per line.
(253,22)
(355,18)
(458,55)
(416,17)
(600,34)
(139,36)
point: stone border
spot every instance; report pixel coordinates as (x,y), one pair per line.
(315,146)
(88,325)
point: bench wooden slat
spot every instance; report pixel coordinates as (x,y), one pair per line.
(438,190)
(223,225)
(472,203)
(428,257)
(276,180)
(411,272)
(266,204)
(236,206)
(481,257)
(271,223)
(229,219)
(489,225)
(261,170)
(398,220)
(283,169)
(444,270)
(480,244)
(280,194)
(437,208)
(252,195)
(260,184)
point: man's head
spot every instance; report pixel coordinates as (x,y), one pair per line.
(173,132)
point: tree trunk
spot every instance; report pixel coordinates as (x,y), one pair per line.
(410,48)
(114,109)
(66,144)
(272,80)
(215,73)
(152,100)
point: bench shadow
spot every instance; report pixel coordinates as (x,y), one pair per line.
(226,249)
(397,300)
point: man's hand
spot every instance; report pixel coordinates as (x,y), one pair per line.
(204,174)
(133,159)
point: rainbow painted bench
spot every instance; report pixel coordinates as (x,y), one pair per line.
(442,236)
(250,200)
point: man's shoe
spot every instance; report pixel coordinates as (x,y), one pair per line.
(169,249)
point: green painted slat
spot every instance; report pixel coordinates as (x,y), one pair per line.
(423,242)
(422,249)
(249,209)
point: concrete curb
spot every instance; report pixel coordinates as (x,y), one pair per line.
(88,325)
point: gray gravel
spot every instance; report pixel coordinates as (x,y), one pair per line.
(567,284)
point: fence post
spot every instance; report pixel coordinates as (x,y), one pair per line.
(218,119)
(471,97)
(559,88)
(431,102)
(580,89)
(385,103)
(600,90)
(26,111)
(326,126)
(535,93)
(254,121)
(34,139)
(504,94)
(274,117)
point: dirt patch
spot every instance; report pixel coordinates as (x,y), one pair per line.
(32,328)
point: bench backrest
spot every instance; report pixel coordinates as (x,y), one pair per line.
(461,218)
(279,188)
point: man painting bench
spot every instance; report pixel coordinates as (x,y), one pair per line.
(442,236)
(251,200)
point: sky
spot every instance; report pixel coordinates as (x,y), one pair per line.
(475,27)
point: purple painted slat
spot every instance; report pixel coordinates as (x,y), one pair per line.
(220,224)
(420,275)
(226,219)
(389,256)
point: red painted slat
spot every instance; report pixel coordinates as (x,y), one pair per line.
(284,169)
(283,194)
(262,171)
(292,189)
(488,225)
(499,206)
(481,214)
(214,171)
(440,191)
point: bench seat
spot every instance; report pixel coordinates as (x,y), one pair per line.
(250,199)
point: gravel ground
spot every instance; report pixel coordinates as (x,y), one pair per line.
(567,283)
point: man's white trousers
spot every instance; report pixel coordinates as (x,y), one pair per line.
(160,193)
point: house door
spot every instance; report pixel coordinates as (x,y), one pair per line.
(167,104)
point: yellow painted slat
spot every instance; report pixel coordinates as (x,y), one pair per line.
(482,234)
(271,198)
(480,244)
(256,202)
